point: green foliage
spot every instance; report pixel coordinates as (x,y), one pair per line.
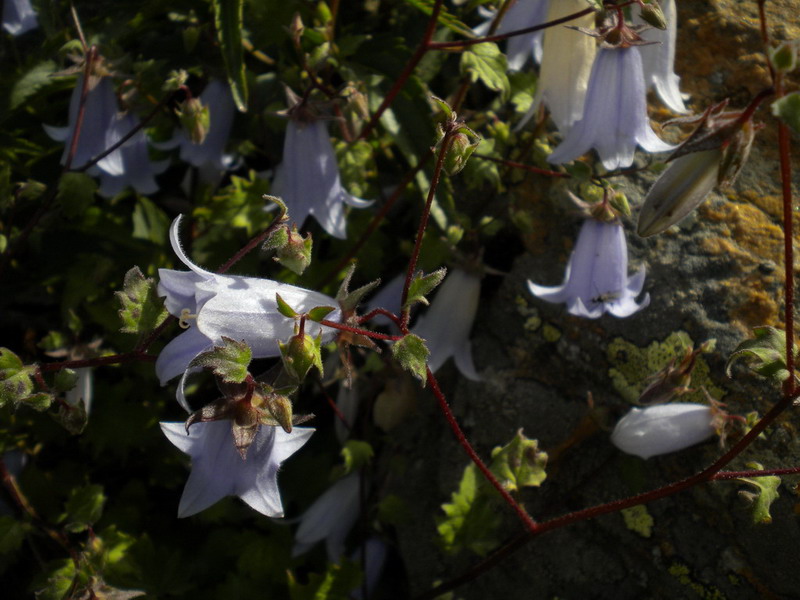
(142,310)
(337,583)
(76,193)
(767,352)
(412,354)
(16,383)
(350,300)
(472,518)
(762,497)
(787,109)
(446,19)
(228,361)
(356,454)
(228,21)
(12,534)
(485,63)
(356,166)
(83,508)
(422,285)
(30,84)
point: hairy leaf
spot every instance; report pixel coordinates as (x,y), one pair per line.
(412,354)
(765,493)
(142,310)
(229,361)
(422,285)
(485,63)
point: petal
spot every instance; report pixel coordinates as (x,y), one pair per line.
(18,17)
(463,360)
(331,517)
(627,305)
(174,240)
(178,290)
(178,353)
(664,428)
(555,294)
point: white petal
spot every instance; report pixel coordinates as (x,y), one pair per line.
(179,352)
(664,428)
(330,518)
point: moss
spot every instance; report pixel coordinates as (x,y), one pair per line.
(550,333)
(632,366)
(682,573)
(639,520)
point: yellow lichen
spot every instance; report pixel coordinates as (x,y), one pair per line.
(632,366)
(638,519)
(550,333)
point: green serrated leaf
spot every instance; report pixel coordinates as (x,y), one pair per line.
(32,82)
(12,534)
(412,354)
(766,492)
(768,351)
(787,109)
(470,520)
(319,313)
(422,285)
(229,361)
(142,310)
(356,453)
(485,63)
(284,308)
(57,579)
(519,463)
(446,19)
(16,384)
(83,508)
(76,193)
(228,20)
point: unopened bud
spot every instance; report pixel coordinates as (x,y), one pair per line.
(280,408)
(619,202)
(195,119)
(653,15)
(784,56)
(295,253)
(300,354)
(461,148)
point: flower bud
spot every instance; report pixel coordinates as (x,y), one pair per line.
(653,15)
(300,353)
(664,428)
(295,253)
(461,148)
(280,408)
(195,119)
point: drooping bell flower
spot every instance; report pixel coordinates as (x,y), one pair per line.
(521,15)
(663,428)
(614,120)
(98,130)
(308,179)
(446,325)
(137,169)
(330,518)
(19,17)
(658,60)
(597,278)
(241,308)
(567,57)
(218,470)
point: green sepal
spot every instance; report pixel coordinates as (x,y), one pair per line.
(65,380)
(765,493)
(519,463)
(412,354)
(787,109)
(356,454)
(350,300)
(295,253)
(446,109)
(768,349)
(229,361)
(422,285)
(83,508)
(16,383)
(284,308)
(485,63)
(318,313)
(142,310)
(229,23)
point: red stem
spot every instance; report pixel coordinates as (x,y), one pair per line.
(380,311)
(423,223)
(524,167)
(418,55)
(365,332)
(526,519)
(505,36)
(277,222)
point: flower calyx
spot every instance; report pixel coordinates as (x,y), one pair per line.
(462,140)
(195,118)
(293,250)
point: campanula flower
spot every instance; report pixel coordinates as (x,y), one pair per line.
(19,17)
(663,428)
(445,326)
(597,275)
(614,118)
(241,308)
(566,62)
(218,470)
(521,15)
(210,153)
(137,169)
(98,130)
(330,518)
(658,60)
(308,178)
